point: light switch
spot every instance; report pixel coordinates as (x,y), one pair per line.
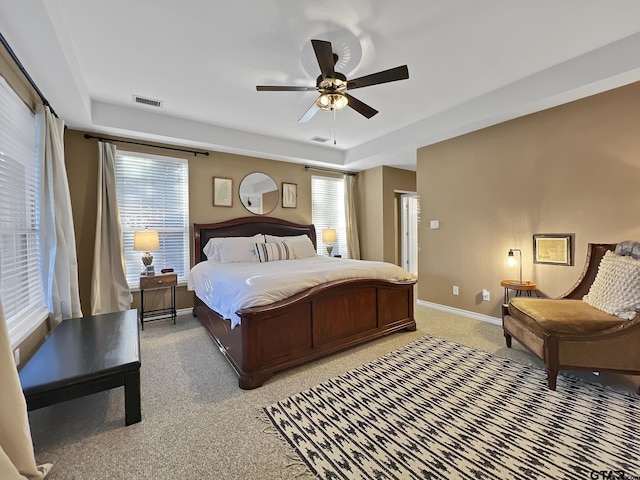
(434,224)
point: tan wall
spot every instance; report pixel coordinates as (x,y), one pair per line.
(370,219)
(16,79)
(377,210)
(82,166)
(571,169)
(393,179)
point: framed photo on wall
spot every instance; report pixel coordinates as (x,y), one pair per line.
(289,195)
(553,249)
(222,192)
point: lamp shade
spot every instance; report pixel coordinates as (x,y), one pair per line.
(329,235)
(146,240)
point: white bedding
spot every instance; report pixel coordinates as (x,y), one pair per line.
(228,287)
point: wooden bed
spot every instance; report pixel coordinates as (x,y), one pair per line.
(311,324)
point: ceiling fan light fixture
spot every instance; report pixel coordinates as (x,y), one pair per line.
(332,101)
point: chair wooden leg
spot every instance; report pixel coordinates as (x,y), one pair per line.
(507,337)
(552,376)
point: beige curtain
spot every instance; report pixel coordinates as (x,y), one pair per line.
(17,460)
(57,237)
(109,288)
(350,214)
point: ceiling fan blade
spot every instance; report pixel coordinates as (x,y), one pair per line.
(391,75)
(324,54)
(308,115)
(283,88)
(361,107)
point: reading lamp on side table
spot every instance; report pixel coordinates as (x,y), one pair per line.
(328,237)
(145,241)
(512,260)
(518,285)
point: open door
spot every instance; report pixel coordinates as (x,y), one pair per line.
(409,232)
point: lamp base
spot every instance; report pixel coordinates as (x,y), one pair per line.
(147,259)
(329,249)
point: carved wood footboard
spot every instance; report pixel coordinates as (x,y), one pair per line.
(312,324)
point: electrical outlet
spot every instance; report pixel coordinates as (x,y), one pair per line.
(456,290)
(16,356)
(486,295)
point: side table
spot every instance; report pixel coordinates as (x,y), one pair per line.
(157,282)
(519,287)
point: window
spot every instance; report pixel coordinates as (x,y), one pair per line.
(153,193)
(328,211)
(21,291)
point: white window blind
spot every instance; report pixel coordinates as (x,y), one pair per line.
(21,291)
(153,193)
(328,211)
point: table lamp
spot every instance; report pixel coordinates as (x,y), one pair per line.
(328,237)
(512,261)
(144,241)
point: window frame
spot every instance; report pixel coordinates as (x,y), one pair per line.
(28,309)
(341,246)
(133,257)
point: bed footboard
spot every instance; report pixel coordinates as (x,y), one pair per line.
(312,324)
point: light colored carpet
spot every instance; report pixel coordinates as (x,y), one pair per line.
(197,423)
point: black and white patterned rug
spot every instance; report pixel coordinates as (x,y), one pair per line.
(439,410)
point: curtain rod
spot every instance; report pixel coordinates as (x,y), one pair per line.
(332,170)
(195,152)
(27,76)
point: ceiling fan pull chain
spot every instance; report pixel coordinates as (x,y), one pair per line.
(333,126)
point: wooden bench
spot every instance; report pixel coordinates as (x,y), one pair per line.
(84,356)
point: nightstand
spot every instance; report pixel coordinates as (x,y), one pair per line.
(157,282)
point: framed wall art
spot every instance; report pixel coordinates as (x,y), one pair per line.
(289,195)
(553,249)
(222,192)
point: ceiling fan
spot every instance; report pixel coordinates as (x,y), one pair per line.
(333,85)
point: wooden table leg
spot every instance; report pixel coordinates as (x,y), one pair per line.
(132,408)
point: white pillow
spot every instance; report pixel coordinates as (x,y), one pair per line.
(616,288)
(273,238)
(270,252)
(232,249)
(301,248)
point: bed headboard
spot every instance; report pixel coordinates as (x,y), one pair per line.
(246,227)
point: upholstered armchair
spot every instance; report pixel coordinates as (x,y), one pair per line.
(569,333)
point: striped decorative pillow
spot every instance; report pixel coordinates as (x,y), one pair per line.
(270,252)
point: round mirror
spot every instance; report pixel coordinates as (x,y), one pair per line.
(259,193)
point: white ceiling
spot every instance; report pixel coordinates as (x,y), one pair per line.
(471,64)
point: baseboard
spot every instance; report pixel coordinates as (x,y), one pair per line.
(459,311)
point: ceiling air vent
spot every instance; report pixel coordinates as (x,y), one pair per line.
(319,139)
(147,101)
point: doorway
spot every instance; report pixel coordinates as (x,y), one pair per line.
(409,231)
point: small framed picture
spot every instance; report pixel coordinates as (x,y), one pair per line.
(553,249)
(289,195)
(222,192)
